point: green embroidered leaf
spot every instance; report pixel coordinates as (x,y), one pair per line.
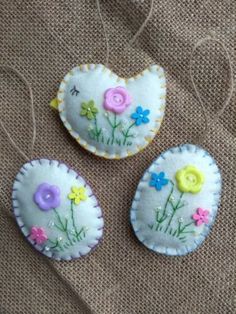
(90,103)
(89,110)
(83,112)
(94,110)
(90,115)
(84,105)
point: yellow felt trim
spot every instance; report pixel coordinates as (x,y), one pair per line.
(148,139)
(106,155)
(84,145)
(54,103)
(140,148)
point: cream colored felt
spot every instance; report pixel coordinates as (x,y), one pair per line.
(153,218)
(146,89)
(83,222)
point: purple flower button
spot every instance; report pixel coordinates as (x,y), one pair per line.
(47,196)
(117,99)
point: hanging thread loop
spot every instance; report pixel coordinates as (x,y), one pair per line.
(21,76)
(208,120)
(131,42)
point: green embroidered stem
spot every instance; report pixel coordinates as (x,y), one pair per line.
(159,220)
(73,220)
(114,126)
(175,208)
(126,133)
(157,226)
(169,196)
(56,244)
(113,130)
(168,199)
(181,231)
(164,215)
(62,227)
(97,130)
(79,233)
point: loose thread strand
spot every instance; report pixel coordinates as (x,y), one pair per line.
(9,68)
(131,42)
(208,120)
(142,27)
(105,33)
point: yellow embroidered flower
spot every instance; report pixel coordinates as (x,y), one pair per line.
(77,195)
(189,179)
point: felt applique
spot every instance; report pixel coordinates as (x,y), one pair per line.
(56,210)
(54,207)
(176,200)
(110,116)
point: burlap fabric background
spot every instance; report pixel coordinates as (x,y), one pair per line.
(44,40)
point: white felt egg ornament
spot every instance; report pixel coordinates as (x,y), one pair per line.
(177,200)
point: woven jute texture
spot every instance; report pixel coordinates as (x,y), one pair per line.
(44,39)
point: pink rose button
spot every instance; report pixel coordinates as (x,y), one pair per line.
(117,99)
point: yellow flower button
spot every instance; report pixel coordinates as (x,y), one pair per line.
(77,195)
(189,179)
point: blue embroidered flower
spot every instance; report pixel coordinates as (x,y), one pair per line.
(140,116)
(158,180)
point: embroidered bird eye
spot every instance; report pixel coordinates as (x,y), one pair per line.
(74,91)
